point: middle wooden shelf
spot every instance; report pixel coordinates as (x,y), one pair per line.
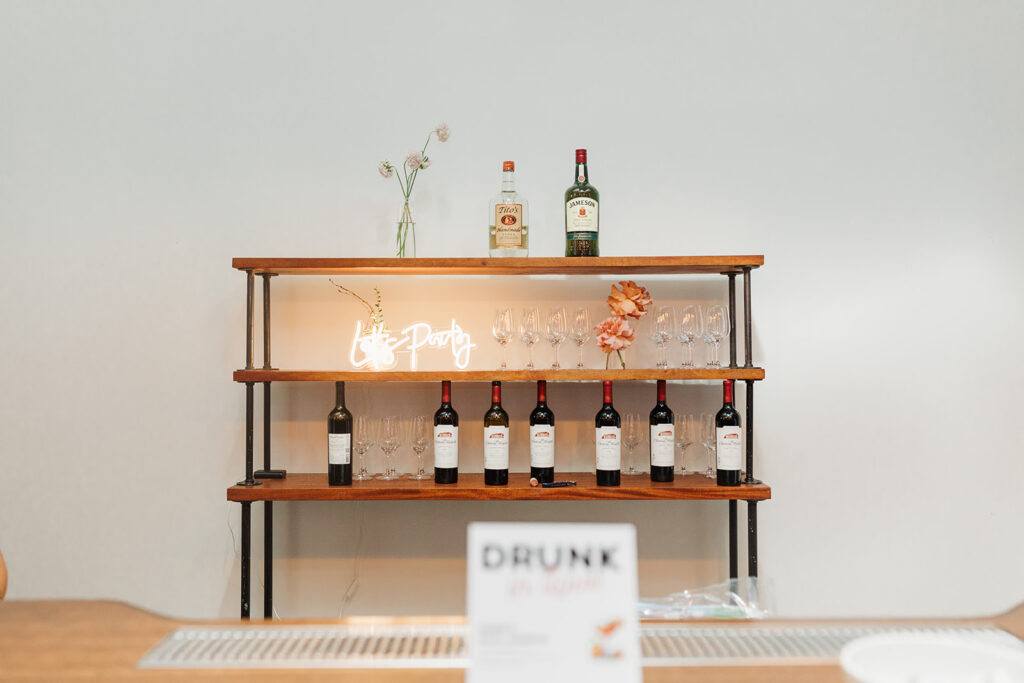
(303,486)
(587,375)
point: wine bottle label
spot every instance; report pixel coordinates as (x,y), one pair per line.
(495,448)
(609,448)
(663,445)
(508,225)
(339,449)
(446,446)
(730,448)
(581,215)
(542,446)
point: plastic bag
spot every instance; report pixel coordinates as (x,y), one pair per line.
(734,599)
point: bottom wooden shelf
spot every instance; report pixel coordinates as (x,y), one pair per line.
(471,487)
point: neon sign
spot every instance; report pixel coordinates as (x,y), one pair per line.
(376,348)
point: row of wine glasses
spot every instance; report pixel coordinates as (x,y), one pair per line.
(690,428)
(686,325)
(557,328)
(389,433)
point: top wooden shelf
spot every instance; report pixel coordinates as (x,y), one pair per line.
(614,265)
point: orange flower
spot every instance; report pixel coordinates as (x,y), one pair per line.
(630,300)
(614,334)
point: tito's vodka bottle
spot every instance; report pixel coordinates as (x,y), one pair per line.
(581,216)
(509,217)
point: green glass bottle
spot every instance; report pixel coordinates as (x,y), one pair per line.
(581,212)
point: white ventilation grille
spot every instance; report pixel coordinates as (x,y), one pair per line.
(443,647)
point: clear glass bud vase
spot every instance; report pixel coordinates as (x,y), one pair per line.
(405,239)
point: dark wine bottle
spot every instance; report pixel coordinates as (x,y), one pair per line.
(608,440)
(542,437)
(663,439)
(581,212)
(496,440)
(729,441)
(446,439)
(339,441)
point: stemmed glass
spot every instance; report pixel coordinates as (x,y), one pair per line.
(365,438)
(684,426)
(557,331)
(662,330)
(390,440)
(709,440)
(688,328)
(581,331)
(420,437)
(715,328)
(529,332)
(632,436)
(501,328)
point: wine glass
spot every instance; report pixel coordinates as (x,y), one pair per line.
(365,438)
(501,328)
(687,331)
(529,332)
(662,329)
(390,440)
(557,331)
(420,438)
(716,328)
(632,436)
(581,331)
(709,440)
(684,427)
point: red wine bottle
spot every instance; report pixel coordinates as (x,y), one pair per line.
(339,441)
(663,439)
(729,441)
(608,440)
(542,437)
(446,439)
(496,440)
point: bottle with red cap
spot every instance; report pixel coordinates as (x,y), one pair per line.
(728,440)
(581,212)
(509,217)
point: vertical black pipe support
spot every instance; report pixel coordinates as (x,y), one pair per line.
(733,552)
(749,478)
(268,560)
(267,472)
(246,555)
(250,281)
(748,338)
(752,538)
(732,319)
(249,481)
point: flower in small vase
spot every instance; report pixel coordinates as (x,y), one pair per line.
(414,160)
(385,168)
(614,334)
(443,131)
(629,300)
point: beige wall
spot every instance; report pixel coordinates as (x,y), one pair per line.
(871,151)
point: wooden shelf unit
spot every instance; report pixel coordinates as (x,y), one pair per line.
(471,487)
(262,487)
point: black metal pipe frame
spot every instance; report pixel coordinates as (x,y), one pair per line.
(246,556)
(732,319)
(250,281)
(752,538)
(733,563)
(749,478)
(748,339)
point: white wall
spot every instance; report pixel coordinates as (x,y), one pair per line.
(872,151)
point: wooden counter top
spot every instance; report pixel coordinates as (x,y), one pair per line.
(99,640)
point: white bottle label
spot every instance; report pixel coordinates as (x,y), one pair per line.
(663,445)
(339,449)
(542,445)
(495,448)
(729,447)
(581,215)
(609,448)
(446,446)
(508,225)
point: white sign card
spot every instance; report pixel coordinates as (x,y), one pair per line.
(552,602)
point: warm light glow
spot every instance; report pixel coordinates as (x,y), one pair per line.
(377,349)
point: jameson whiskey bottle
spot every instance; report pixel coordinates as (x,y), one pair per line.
(509,217)
(581,212)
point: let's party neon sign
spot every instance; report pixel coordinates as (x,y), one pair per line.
(376,348)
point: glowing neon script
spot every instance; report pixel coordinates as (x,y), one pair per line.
(378,348)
